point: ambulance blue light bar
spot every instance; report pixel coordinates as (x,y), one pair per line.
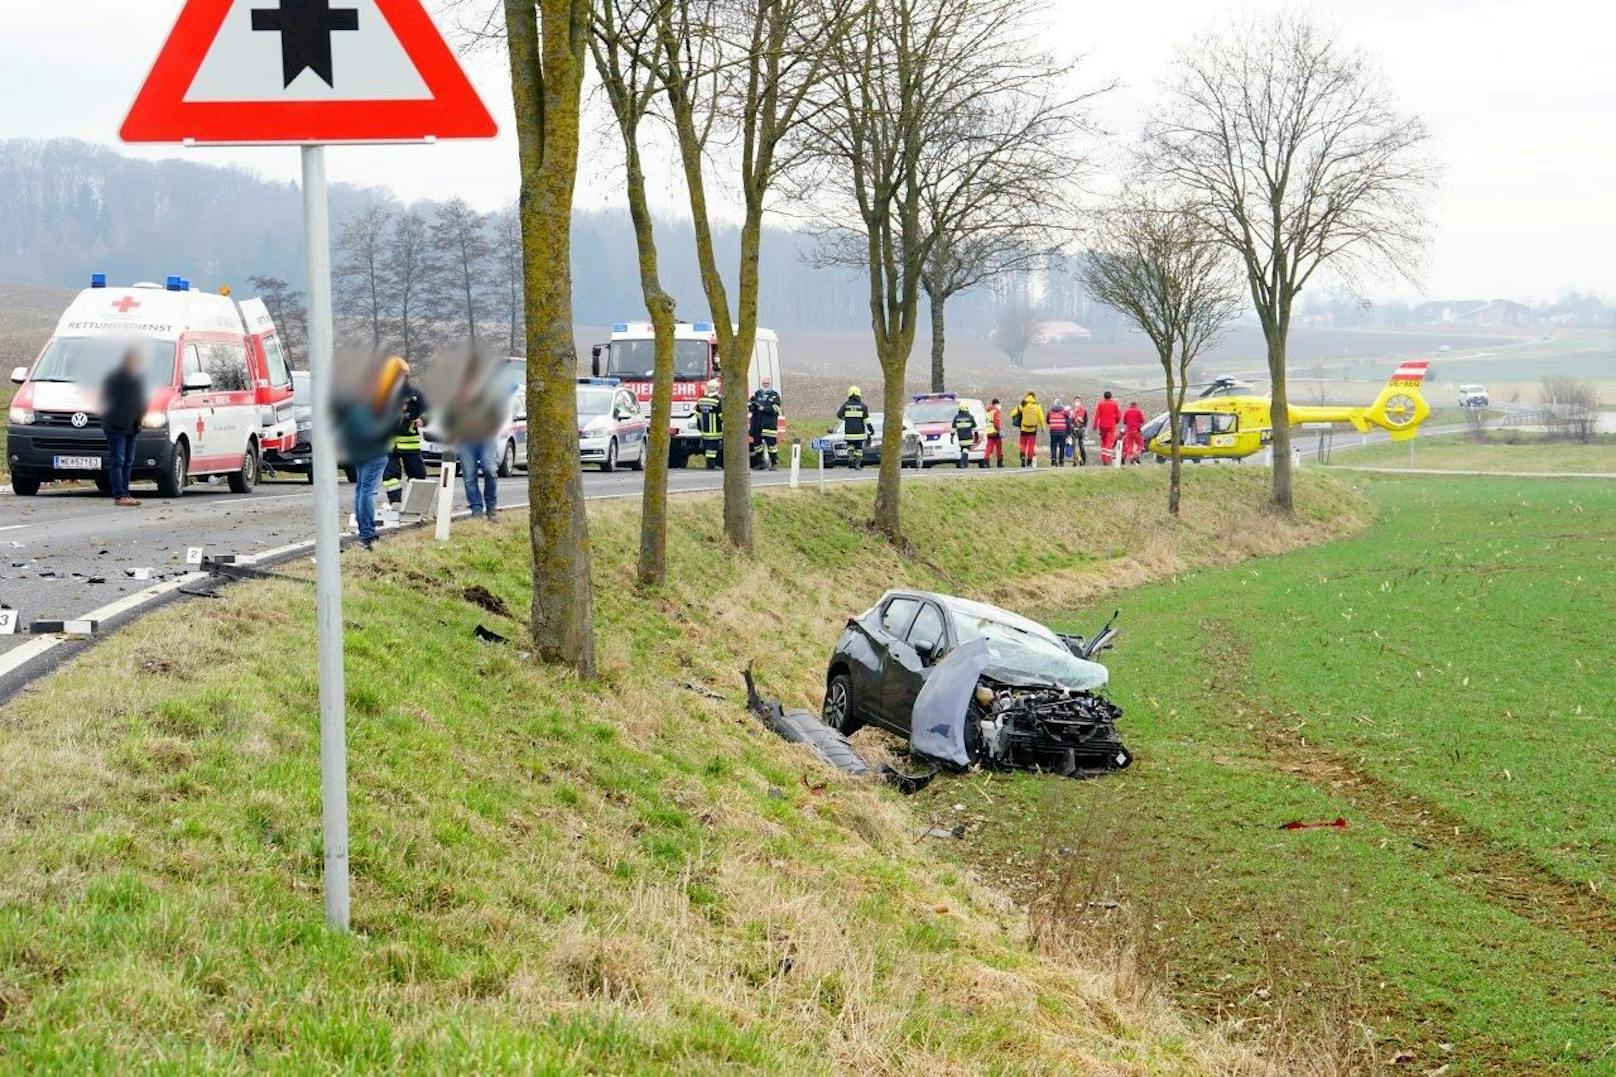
(619,327)
(98,280)
(703,327)
(600,381)
(173,283)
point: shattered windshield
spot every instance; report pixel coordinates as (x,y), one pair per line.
(1018,652)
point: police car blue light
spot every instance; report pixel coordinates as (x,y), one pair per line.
(703,327)
(600,381)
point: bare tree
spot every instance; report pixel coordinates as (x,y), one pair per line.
(290,312)
(462,250)
(1570,409)
(1163,269)
(547,43)
(507,257)
(907,84)
(407,278)
(360,269)
(743,69)
(1015,329)
(997,199)
(624,42)
(1289,147)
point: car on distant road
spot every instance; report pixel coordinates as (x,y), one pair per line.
(299,458)
(612,430)
(834,451)
(933,415)
(1473,396)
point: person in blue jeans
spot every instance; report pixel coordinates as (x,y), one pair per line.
(368,483)
(123,406)
(480,454)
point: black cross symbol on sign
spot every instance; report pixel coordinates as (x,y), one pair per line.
(305,27)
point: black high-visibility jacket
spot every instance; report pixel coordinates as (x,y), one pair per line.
(965,428)
(710,416)
(766,403)
(412,411)
(854,416)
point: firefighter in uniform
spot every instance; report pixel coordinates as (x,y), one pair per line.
(405,460)
(766,409)
(964,425)
(710,421)
(855,426)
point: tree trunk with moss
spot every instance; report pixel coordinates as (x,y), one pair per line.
(936,300)
(653,566)
(546,77)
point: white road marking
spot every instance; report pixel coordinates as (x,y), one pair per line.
(14,527)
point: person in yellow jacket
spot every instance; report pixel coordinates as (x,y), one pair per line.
(1029,419)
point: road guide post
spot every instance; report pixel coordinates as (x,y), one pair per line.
(241,72)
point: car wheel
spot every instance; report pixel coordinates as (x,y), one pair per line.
(103,482)
(245,478)
(608,465)
(349,473)
(308,476)
(172,483)
(838,711)
(24,485)
(507,460)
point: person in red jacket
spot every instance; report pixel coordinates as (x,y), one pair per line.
(1080,427)
(1133,434)
(995,432)
(1060,428)
(1107,417)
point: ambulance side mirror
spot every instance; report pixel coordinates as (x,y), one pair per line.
(196,383)
(19,374)
(594,359)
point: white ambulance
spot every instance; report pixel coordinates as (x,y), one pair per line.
(630,357)
(211,397)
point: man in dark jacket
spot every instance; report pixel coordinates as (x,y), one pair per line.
(123,406)
(964,425)
(766,408)
(710,421)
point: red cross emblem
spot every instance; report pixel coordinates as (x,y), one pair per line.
(126,304)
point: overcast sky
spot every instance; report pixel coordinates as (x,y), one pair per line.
(1521,98)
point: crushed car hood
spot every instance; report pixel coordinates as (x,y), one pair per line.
(937,723)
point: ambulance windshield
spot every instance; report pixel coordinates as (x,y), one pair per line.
(88,360)
(637,359)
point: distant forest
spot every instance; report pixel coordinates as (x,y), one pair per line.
(70,208)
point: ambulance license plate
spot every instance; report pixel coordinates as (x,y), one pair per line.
(78,463)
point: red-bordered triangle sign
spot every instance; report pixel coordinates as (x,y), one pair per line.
(294,71)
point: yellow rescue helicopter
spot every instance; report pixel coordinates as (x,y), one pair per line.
(1224,425)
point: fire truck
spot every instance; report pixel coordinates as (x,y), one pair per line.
(630,357)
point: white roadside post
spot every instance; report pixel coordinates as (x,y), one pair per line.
(796,463)
(822,470)
(257,97)
(327,544)
(446,497)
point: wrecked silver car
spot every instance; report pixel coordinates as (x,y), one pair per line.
(968,684)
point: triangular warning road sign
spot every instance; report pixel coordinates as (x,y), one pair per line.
(291,71)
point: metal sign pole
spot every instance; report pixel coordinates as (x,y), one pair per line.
(327,543)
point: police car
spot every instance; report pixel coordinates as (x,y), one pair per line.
(933,415)
(612,430)
(218,391)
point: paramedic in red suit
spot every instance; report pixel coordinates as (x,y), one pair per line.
(1107,417)
(1133,434)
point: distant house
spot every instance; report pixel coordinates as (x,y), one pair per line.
(1485,312)
(1059,333)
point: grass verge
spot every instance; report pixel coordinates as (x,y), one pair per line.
(1442,683)
(627,875)
(1503,450)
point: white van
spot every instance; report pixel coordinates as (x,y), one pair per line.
(203,411)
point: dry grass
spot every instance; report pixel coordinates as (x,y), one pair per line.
(626,875)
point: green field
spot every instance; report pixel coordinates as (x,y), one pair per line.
(623,876)
(1502,451)
(1443,682)
(7,391)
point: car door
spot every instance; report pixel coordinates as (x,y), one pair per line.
(913,656)
(235,406)
(631,427)
(893,656)
(193,410)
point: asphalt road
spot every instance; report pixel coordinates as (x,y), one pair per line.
(69,552)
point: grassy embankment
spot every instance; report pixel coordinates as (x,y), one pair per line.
(1503,450)
(1444,683)
(7,391)
(547,874)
